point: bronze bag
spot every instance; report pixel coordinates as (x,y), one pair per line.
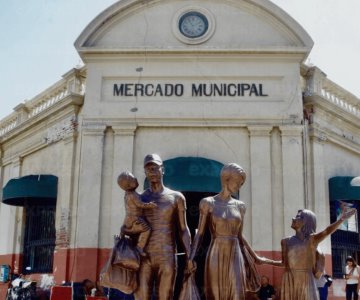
(118,278)
(189,291)
(125,255)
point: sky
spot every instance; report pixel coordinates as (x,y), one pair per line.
(37,41)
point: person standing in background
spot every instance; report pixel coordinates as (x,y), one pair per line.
(266,291)
(352,274)
(323,283)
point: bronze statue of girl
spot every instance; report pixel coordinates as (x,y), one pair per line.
(300,255)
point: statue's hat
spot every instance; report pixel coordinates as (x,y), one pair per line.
(153,158)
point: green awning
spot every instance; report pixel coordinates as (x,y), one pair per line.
(192,174)
(31,189)
(341,189)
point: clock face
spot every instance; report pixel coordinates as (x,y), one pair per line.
(193,24)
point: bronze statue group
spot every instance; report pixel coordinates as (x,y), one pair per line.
(155,217)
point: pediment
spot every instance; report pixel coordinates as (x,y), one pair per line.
(251,26)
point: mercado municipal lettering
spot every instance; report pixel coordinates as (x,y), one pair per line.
(197,90)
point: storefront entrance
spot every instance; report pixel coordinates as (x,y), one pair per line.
(192,216)
(345,240)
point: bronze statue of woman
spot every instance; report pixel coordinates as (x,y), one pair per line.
(225,271)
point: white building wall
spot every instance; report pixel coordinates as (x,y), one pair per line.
(337,161)
(11,219)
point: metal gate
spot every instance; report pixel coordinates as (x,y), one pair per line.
(39,242)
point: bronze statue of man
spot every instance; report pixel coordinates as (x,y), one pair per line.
(165,220)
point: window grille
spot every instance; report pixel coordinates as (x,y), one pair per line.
(39,242)
(344,242)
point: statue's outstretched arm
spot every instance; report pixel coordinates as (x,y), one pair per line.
(259,259)
(346,213)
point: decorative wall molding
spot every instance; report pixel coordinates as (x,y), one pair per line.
(61,131)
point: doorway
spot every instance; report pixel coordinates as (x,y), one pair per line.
(192,217)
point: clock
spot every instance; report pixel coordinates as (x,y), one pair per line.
(193,24)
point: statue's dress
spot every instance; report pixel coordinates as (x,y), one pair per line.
(224,266)
(298,282)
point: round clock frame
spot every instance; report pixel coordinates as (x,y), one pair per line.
(193,25)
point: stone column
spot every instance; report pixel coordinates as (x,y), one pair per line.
(319,194)
(105,234)
(277,189)
(19,212)
(293,169)
(89,200)
(260,174)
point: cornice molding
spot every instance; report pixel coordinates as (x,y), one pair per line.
(321,103)
(318,135)
(184,122)
(322,135)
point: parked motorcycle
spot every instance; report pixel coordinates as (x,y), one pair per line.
(21,289)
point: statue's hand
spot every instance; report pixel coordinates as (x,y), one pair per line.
(260,260)
(347,212)
(190,267)
(122,232)
(151,205)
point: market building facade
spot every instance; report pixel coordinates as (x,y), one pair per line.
(201,83)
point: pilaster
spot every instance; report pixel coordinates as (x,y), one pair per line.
(10,223)
(90,185)
(277,189)
(105,211)
(260,186)
(89,199)
(320,201)
(64,204)
(293,177)
(123,161)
